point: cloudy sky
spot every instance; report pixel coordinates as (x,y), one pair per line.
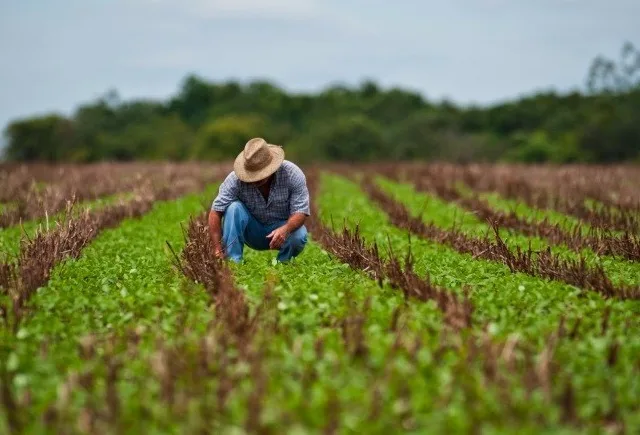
(56,54)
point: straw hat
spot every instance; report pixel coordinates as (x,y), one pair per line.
(258,160)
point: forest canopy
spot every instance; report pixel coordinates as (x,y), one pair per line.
(212,121)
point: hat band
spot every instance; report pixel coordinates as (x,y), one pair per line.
(262,160)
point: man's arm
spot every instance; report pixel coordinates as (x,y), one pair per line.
(227,193)
(295,221)
(215,230)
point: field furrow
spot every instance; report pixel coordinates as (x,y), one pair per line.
(348,247)
(509,302)
(510,299)
(331,361)
(372,329)
(124,276)
(41,254)
(357,373)
(621,275)
(577,237)
(592,195)
(523,211)
(38,256)
(604,198)
(11,236)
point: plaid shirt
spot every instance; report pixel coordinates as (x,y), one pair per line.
(288,195)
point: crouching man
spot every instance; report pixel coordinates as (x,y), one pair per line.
(263,203)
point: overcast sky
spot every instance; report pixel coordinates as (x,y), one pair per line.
(56,54)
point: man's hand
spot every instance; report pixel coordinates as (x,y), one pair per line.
(219,252)
(278,237)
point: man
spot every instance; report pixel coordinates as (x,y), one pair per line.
(263,203)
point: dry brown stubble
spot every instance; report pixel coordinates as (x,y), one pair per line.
(543,264)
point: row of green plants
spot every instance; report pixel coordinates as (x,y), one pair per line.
(120,341)
(11,236)
(452,269)
(601,198)
(87,286)
(515,303)
(447,215)
(521,209)
(348,370)
(124,276)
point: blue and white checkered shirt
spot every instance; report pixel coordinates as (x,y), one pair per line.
(288,195)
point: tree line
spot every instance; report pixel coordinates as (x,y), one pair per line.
(212,121)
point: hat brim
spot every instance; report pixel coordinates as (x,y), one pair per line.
(277,154)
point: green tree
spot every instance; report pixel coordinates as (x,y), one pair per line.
(224,137)
(540,147)
(611,135)
(351,138)
(208,120)
(157,138)
(47,138)
(193,101)
(416,137)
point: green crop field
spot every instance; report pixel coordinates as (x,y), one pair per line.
(431,298)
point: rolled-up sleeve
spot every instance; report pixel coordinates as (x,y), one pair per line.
(299,199)
(227,193)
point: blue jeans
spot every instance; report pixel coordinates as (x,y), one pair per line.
(240,228)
